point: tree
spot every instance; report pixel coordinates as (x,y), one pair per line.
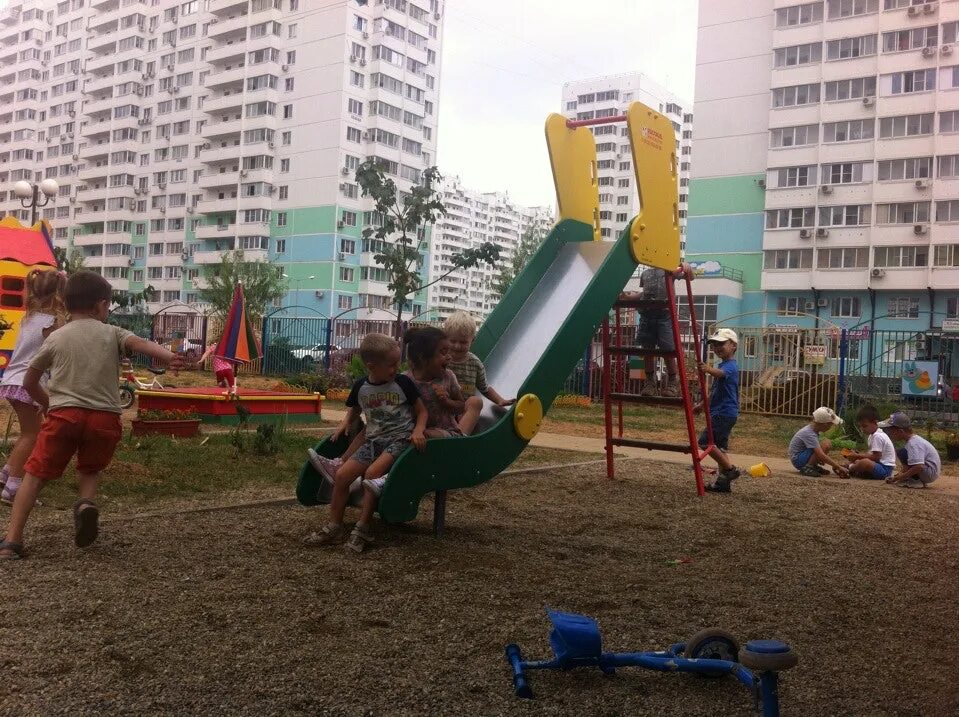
(69,260)
(529,243)
(131,311)
(262,284)
(401,231)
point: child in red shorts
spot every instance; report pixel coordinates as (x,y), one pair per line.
(81,403)
(222,369)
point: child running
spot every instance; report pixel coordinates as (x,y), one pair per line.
(808,453)
(880,461)
(460,328)
(222,369)
(723,406)
(82,406)
(395,417)
(45,313)
(920,460)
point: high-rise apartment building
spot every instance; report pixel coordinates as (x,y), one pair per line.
(180,130)
(610,96)
(472,219)
(827,160)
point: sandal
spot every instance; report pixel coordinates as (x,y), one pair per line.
(86,518)
(329,535)
(16,550)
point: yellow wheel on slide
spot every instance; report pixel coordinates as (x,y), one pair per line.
(527,416)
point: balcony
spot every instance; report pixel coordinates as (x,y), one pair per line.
(91,172)
(226,77)
(227,7)
(117,260)
(220,53)
(103,42)
(230,153)
(89,239)
(212,180)
(99,84)
(229,28)
(224,102)
(96,128)
(223,129)
(99,105)
(253,229)
(223,232)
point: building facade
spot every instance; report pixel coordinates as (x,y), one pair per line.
(827,160)
(180,130)
(610,96)
(472,219)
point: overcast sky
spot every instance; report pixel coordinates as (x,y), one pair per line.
(505,62)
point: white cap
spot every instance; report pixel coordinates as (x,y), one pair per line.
(722,336)
(824,414)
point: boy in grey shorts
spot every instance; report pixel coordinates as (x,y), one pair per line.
(395,417)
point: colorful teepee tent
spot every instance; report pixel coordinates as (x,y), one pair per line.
(238,342)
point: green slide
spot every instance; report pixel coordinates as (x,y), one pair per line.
(530,345)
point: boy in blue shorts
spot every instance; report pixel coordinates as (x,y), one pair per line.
(723,406)
(808,453)
(921,464)
(880,462)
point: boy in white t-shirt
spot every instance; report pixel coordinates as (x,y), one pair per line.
(880,461)
(919,458)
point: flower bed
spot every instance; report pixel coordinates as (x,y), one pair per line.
(182,424)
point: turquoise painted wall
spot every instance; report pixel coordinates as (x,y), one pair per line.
(726,195)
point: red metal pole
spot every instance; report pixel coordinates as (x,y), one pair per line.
(694,328)
(572,124)
(607,406)
(684,382)
(620,382)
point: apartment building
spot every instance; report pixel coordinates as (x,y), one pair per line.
(609,96)
(827,160)
(180,130)
(472,219)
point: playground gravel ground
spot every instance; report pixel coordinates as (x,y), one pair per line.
(225,613)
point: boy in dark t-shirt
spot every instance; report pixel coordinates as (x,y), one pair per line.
(395,417)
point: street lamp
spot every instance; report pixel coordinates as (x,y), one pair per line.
(29,195)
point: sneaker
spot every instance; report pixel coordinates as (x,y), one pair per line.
(672,389)
(718,486)
(329,535)
(649,389)
(359,538)
(375,485)
(822,471)
(9,491)
(326,467)
(811,472)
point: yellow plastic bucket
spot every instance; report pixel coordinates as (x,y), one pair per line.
(760,470)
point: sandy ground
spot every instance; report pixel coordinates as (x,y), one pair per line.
(224,612)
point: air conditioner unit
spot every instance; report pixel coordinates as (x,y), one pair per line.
(271,145)
(436,16)
(928,51)
(761,183)
(342,187)
(922,184)
(339,224)
(826,189)
(76,157)
(805,233)
(129,262)
(822,303)
(366,36)
(72,200)
(206,145)
(242,172)
(913,11)
(320,294)
(877,273)
(144,121)
(285,68)
(362,62)
(162,210)
(172,90)
(920,229)
(869,101)
(170,68)
(72,113)
(929,8)
(139,91)
(340,256)
(810,306)
(345,171)
(175,90)
(214,21)
(823,233)
(367,135)
(161,185)
(353,59)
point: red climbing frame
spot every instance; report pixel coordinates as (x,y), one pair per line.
(616,372)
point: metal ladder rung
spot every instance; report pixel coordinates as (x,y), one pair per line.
(650,400)
(651,445)
(631,351)
(641,304)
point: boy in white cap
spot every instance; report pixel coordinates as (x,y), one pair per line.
(723,406)
(919,458)
(808,453)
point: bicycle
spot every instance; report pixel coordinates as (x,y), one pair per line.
(129,384)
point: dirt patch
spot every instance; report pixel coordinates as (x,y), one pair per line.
(225,613)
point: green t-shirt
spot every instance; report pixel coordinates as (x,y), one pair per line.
(470,373)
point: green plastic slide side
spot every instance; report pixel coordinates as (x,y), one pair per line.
(468,461)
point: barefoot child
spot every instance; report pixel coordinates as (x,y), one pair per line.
(919,458)
(880,461)
(808,453)
(45,313)
(395,417)
(460,328)
(723,406)
(82,406)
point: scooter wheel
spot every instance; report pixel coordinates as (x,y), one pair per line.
(713,644)
(127,397)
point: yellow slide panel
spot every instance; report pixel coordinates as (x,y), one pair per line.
(572,155)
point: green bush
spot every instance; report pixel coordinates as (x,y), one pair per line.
(310,381)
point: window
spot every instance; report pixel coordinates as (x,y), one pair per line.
(356,79)
(947,166)
(280,246)
(952,308)
(291,30)
(797,55)
(850,89)
(347,273)
(347,246)
(792,177)
(284,165)
(905,126)
(842,258)
(790,305)
(799,14)
(902,213)
(849,47)
(949,32)
(850,8)
(284,192)
(850,215)
(787,259)
(902,83)
(903,307)
(898,351)
(796,95)
(947,255)
(790,218)
(900,256)
(893,170)
(281,219)
(896,4)
(949,77)
(947,211)
(913,39)
(797,136)
(848,130)
(12,292)
(949,121)
(287,111)
(846,173)
(348,219)
(846,307)
(344,302)
(353,134)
